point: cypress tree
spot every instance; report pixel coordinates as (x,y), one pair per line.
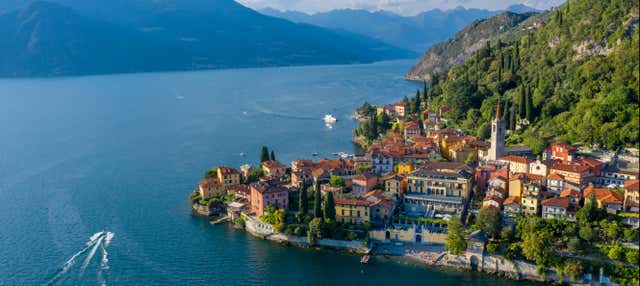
(373,126)
(522,103)
(273,156)
(329,207)
(507,111)
(303,200)
(424,90)
(317,202)
(529,104)
(264,154)
(416,107)
(500,68)
(512,117)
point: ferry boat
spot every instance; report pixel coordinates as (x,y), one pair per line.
(329,119)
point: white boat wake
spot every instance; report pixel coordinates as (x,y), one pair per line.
(100,240)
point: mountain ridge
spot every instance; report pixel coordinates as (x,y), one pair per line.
(225,35)
(416,33)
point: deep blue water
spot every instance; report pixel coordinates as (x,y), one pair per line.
(122,153)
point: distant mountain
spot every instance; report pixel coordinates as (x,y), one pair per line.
(48,39)
(467,41)
(415,33)
(522,9)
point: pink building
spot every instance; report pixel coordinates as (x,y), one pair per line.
(264,194)
(364,183)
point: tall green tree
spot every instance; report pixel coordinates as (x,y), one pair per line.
(417,102)
(315,227)
(535,246)
(384,123)
(329,207)
(529,104)
(512,117)
(264,154)
(490,221)
(317,203)
(523,102)
(272,156)
(424,90)
(303,200)
(456,242)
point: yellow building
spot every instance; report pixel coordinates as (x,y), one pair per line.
(353,211)
(394,183)
(531,199)
(228,176)
(461,154)
(440,186)
(210,187)
(517,164)
(407,234)
(531,204)
(405,167)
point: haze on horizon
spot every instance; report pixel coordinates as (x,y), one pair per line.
(403,7)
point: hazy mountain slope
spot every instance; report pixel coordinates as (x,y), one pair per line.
(45,39)
(414,33)
(467,41)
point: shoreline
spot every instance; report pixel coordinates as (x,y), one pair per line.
(493,266)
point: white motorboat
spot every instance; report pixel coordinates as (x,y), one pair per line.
(329,119)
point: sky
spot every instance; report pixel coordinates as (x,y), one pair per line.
(404,7)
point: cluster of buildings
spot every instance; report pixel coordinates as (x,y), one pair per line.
(422,171)
(556,186)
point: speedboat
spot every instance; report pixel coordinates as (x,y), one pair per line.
(329,119)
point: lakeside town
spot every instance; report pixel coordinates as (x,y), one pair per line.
(441,197)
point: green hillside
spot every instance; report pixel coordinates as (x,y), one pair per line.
(466,42)
(575,79)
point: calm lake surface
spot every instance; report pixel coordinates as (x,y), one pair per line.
(122,153)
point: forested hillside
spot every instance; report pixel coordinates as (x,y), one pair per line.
(574,79)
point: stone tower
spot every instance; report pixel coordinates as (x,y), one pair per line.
(497,135)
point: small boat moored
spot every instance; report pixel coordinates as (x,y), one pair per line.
(365,259)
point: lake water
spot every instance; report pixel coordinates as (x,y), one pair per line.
(122,153)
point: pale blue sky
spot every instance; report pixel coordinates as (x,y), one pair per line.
(405,7)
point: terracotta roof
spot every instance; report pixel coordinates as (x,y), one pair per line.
(556,202)
(589,162)
(392,176)
(512,200)
(632,185)
(564,145)
(319,172)
(209,183)
(366,176)
(411,125)
(571,193)
(243,189)
(525,176)
(493,198)
(604,195)
(555,177)
(401,103)
(266,187)
(353,202)
(227,171)
(517,159)
(571,168)
(273,164)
